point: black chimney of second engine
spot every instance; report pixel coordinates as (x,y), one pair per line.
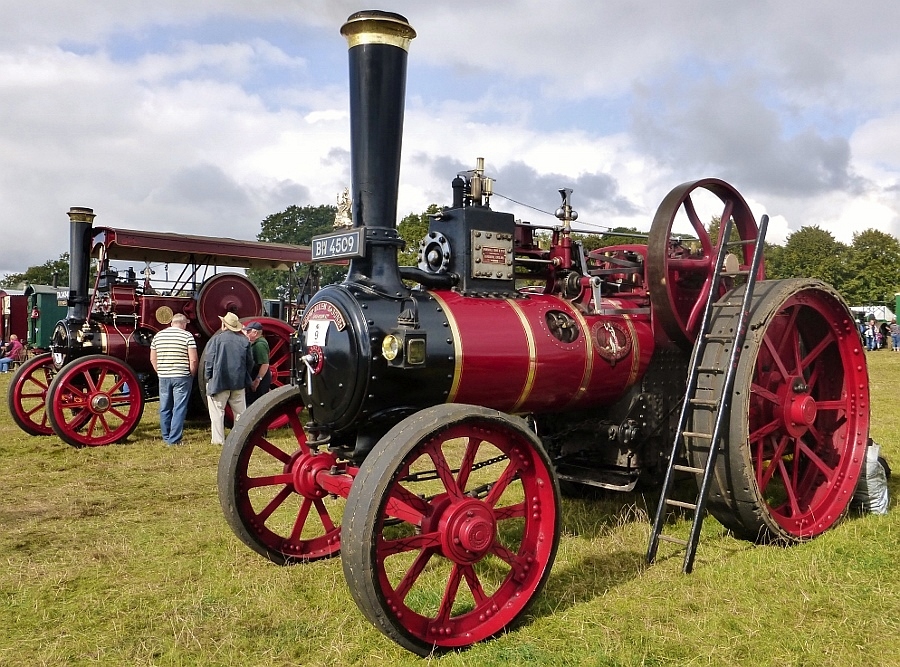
(378,44)
(81,222)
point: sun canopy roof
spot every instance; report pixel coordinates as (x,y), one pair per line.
(155,247)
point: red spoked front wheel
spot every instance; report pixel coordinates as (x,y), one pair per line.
(269,484)
(451,527)
(94,401)
(27,396)
(799,418)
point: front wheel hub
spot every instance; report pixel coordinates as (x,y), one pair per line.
(468,529)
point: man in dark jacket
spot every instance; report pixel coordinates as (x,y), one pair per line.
(226,370)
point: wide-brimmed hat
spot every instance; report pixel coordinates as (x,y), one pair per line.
(231,322)
(254,325)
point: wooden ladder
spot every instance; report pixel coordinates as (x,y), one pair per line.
(719,405)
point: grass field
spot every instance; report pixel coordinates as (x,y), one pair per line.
(120,555)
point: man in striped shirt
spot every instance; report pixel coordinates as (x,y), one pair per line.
(173,353)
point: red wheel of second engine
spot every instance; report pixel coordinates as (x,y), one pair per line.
(95,400)
(451,527)
(268,484)
(680,268)
(27,396)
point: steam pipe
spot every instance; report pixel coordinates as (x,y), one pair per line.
(378,44)
(81,222)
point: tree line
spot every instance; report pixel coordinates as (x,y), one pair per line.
(863,272)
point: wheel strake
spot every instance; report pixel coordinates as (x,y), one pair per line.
(448,562)
(799,414)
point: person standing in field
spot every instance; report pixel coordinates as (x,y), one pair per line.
(226,371)
(261,372)
(894,329)
(173,353)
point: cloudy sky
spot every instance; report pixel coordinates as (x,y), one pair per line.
(205,116)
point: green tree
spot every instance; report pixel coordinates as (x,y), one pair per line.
(812,252)
(871,279)
(41,275)
(296,225)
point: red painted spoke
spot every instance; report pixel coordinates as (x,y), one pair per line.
(789,487)
(300,521)
(474,585)
(509,512)
(423,541)
(698,226)
(275,503)
(504,554)
(269,480)
(105,428)
(443,469)
(500,485)
(776,357)
(413,573)
(763,392)
(324,517)
(816,461)
(297,427)
(814,353)
(699,304)
(788,328)
(407,506)
(272,450)
(465,467)
(764,473)
(840,404)
(449,598)
(723,219)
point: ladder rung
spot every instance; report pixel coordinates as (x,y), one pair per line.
(674,540)
(705,402)
(692,469)
(739,272)
(710,369)
(682,505)
(720,338)
(725,304)
(694,434)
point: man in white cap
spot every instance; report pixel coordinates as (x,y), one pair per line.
(226,370)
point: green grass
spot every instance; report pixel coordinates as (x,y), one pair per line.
(120,555)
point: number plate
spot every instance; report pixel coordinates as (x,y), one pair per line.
(338,245)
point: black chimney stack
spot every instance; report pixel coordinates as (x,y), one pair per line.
(80,233)
(378,44)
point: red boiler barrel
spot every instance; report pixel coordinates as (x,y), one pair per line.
(540,354)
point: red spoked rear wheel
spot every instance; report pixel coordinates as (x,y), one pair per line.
(451,527)
(94,401)
(27,396)
(799,418)
(268,484)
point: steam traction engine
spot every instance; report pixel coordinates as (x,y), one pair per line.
(440,419)
(90,389)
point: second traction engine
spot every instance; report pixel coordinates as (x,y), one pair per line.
(436,412)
